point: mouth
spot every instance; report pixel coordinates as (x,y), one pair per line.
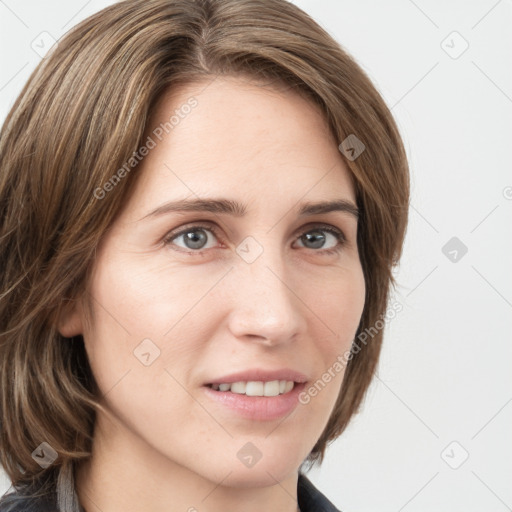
(253,404)
(255,387)
(257,395)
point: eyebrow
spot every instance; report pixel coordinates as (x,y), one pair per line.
(230,207)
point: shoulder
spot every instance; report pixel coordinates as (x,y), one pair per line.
(311,499)
(16,502)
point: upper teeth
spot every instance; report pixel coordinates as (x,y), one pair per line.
(257,388)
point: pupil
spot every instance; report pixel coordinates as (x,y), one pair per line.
(318,238)
(197,239)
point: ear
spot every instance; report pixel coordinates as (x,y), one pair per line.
(69,323)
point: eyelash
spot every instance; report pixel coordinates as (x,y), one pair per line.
(318,227)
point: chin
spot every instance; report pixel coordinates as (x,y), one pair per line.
(261,476)
(260,462)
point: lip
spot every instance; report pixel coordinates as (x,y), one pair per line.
(258,374)
(257,408)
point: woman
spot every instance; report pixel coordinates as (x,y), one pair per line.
(201,203)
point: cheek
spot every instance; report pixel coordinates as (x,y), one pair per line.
(136,339)
(338,305)
(144,297)
(338,309)
(145,311)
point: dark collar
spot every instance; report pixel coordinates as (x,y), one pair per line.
(311,499)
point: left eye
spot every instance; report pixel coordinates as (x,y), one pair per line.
(317,238)
(195,238)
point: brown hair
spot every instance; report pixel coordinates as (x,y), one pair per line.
(82,115)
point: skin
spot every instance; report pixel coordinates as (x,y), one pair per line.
(164,445)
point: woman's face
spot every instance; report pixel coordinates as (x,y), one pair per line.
(232,284)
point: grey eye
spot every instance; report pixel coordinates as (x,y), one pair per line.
(193,238)
(316,239)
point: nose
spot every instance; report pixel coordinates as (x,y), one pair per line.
(265,307)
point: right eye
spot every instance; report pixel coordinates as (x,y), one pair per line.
(194,238)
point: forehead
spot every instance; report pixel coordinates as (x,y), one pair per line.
(233,137)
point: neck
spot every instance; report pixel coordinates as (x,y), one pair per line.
(126,473)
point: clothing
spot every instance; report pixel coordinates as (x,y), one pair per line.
(309,498)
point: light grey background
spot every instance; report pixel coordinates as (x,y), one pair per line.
(443,391)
